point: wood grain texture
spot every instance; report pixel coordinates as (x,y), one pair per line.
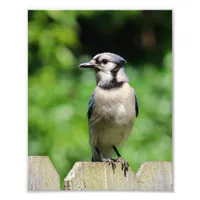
(93,176)
(42,174)
(155,176)
(151,176)
(99,176)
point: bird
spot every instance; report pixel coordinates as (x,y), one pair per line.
(112,109)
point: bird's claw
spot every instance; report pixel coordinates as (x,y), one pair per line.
(110,161)
(124,164)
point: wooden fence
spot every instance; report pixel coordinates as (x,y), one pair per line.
(151,176)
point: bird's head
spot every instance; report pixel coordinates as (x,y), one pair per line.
(109,67)
(105,62)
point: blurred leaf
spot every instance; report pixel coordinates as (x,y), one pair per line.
(65,57)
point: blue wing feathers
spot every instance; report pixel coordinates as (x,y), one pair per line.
(136,105)
(90,106)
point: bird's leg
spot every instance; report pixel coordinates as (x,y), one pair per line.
(123,162)
(110,161)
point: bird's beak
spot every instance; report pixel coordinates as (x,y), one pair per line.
(90,64)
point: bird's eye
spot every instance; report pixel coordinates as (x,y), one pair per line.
(104,61)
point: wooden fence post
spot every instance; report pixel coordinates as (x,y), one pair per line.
(42,174)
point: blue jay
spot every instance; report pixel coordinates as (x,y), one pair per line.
(112,108)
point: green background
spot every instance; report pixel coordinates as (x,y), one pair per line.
(59,91)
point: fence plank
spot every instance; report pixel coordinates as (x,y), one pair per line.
(155,176)
(99,176)
(152,176)
(42,174)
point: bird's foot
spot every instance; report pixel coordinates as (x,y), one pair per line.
(124,164)
(110,161)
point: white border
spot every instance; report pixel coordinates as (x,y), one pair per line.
(13,84)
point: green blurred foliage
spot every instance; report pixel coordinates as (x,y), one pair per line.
(58,91)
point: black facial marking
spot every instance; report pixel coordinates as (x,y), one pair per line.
(97,60)
(114,83)
(114,71)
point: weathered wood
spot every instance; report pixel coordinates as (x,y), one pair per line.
(155,176)
(99,176)
(151,176)
(42,174)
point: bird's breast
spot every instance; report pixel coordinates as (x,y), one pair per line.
(116,106)
(115,113)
